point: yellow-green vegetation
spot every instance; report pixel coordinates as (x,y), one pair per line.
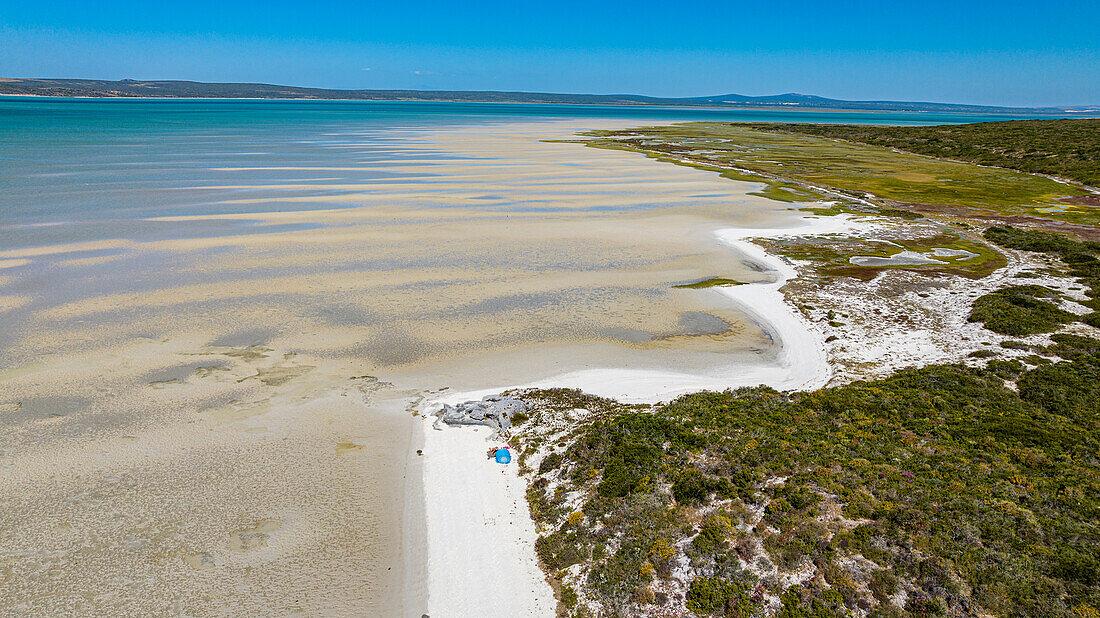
(1063,147)
(786,192)
(834,256)
(709,283)
(939,483)
(1026,309)
(865,172)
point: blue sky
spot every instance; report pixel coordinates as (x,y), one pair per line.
(1007,52)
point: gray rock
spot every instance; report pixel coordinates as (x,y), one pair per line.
(492,411)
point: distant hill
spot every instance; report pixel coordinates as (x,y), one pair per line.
(186,89)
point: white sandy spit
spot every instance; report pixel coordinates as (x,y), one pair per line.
(480,535)
(481,540)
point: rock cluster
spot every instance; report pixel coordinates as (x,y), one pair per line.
(494,411)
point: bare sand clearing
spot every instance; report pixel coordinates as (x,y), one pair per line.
(221,424)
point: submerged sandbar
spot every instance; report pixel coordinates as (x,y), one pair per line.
(215,420)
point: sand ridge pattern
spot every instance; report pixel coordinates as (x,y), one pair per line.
(216,423)
(198,488)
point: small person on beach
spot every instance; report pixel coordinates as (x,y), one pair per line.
(501,453)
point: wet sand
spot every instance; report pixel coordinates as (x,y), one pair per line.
(219,423)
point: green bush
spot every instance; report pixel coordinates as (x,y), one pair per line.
(1019,310)
(827,604)
(883,585)
(1007,369)
(712,596)
(568,596)
(1077,565)
(630,465)
(561,550)
(550,463)
(693,486)
(799,497)
(1028,240)
(690,486)
(1070,346)
(1068,388)
(919,605)
(711,539)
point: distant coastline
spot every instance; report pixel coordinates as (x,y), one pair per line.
(174,89)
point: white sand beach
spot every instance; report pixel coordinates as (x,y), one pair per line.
(481,540)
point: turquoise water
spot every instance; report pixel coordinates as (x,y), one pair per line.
(83,169)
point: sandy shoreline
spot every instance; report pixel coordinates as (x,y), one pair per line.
(802,363)
(481,541)
(476,511)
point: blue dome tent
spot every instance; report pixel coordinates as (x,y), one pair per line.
(503,455)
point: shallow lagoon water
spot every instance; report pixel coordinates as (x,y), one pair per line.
(71,162)
(215,312)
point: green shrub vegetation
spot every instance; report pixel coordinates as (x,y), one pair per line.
(1019,310)
(808,163)
(1066,148)
(967,496)
(709,283)
(1022,310)
(1073,346)
(833,255)
(713,596)
(1082,258)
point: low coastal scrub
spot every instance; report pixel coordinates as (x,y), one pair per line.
(806,163)
(947,253)
(1021,310)
(1082,258)
(936,491)
(1066,148)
